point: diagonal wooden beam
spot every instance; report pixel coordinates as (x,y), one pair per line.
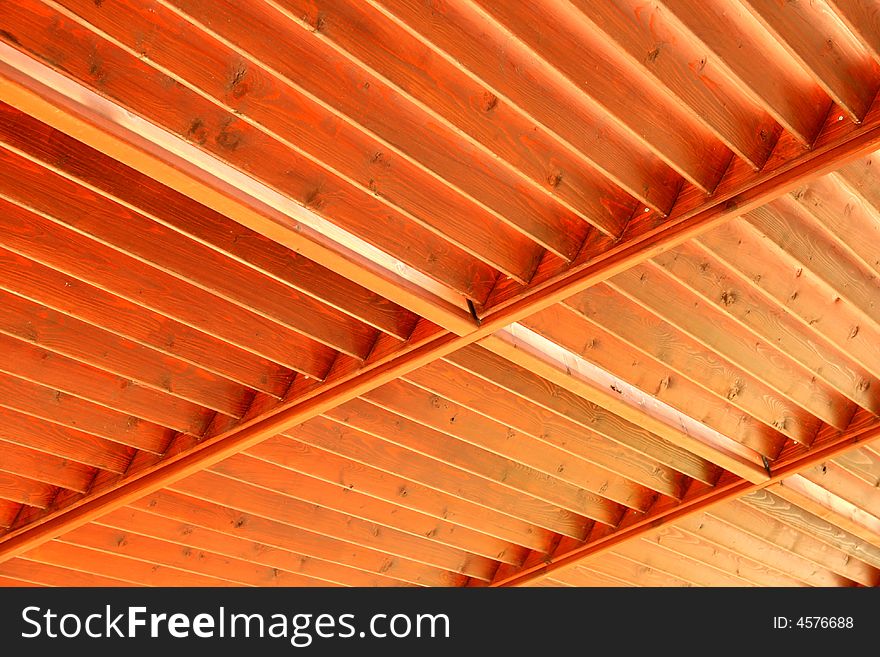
(831,445)
(109,129)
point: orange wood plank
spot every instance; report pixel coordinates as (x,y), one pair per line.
(468,104)
(688,147)
(22,490)
(684,67)
(132,571)
(270,94)
(335,497)
(761,550)
(48,468)
(38,238)
(368,101)
(479,45)
(41,574)
(633,572)
(796,288)
(12,582)
(136,545)
(736,44)
(70,337)
(311,545)
(720,334)
(756,514)
(430,410)
(524,383)
(722,559)
(29,362)
(298,513)
(9,510)
(863,463)
(121,228)
(734,296)
(64,442)
(361,475)
(118,182)
(838,481)
(232,139)
(582,576)
(661,558)
(587,339)
(75,413)
(791,229)
(221,543)
(494,401)
(863,20)
(406,563)
(837,60)
(370,448)
(91,304)
(376,418)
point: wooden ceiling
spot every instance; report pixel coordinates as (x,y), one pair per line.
(439,293)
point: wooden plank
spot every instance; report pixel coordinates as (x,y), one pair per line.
(520,381)
(313,546)
(444,380)
(735,42)
(41,574)
(60,408)
(694,546)
(87,166)
(690,148)
(369,448)
(9,511)
(559,499)
(368,101)
(809,32)
(718,332)
(132,571)
(576,333)
(760,550)
(791,229)
(218,542)
(235,141)
(796,289)
(299,518)
(91,345)
(119,227)
(856,226)
(6,582)
(416,550)
(336,497)
(863,463)
(837,479)
(863,20)
(683,66)
(473,41)
(734,296)
(22,490)
(625,468)
(442,415)
(582,576)
(27,361)
(38,238)
(63,442)
(414,67)
(47,468)
(136,545)
(658,556)
(838,520)
(88,303)
(766,515)
(361,475)
(634,573)
(268,90)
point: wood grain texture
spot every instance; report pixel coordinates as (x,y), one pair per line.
(201,538)
(41,574)
(352,468)
(51,370)
(120,183)
(23,490)
(44,467)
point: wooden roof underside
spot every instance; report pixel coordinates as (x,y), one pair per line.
(448,293)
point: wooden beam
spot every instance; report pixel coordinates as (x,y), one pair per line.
(838,61)
(715,498)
